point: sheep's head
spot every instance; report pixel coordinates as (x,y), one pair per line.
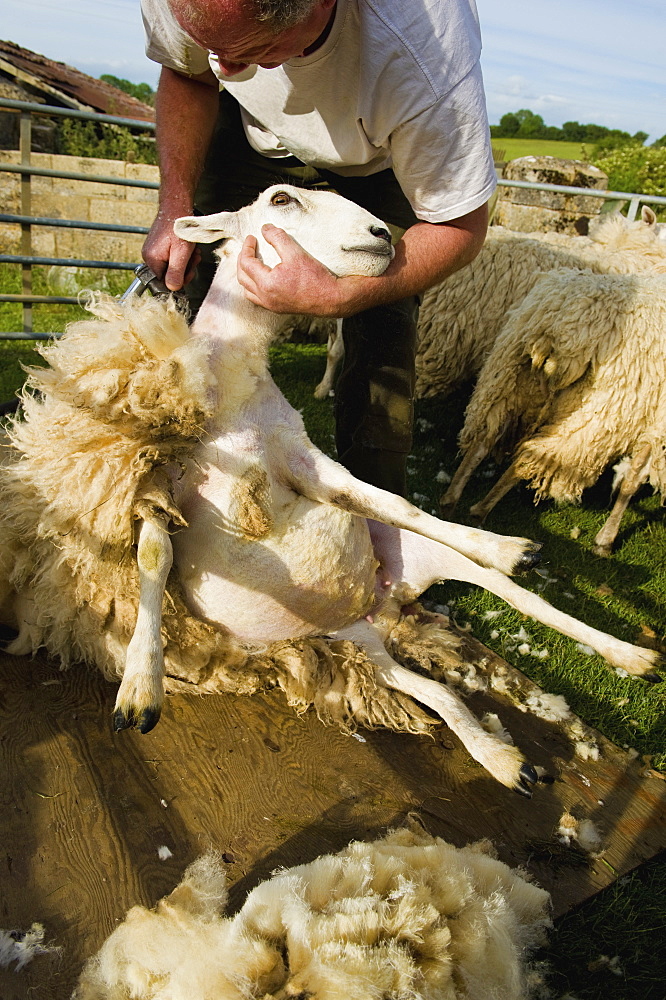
(342,235)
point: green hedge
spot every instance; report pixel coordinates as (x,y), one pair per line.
(635,168)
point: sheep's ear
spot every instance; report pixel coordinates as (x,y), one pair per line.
(207,228)
(648,216)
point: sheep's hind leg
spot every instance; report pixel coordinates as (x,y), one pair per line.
(461,477)
(635,477)
(633,659)
(141,693)
(505,762)
(335,351)
(409,564)
(479,511)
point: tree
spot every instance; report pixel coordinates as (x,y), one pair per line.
(525,124)
(574,132)
(142,91)
(509,125)
(531,125)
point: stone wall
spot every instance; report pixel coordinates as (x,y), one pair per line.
(528,210)
(89,201)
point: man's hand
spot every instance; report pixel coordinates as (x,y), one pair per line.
(172,259)
(298,284)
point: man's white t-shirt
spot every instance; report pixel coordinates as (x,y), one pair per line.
(397,83)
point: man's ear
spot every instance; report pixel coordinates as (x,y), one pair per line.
(207,228)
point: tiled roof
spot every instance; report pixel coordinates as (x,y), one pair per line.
(76,88)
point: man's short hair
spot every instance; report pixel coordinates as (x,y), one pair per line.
(275,15)
(279,15)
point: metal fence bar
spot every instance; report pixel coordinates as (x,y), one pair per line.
(106,227)
(110,265)
(20,335)
(632,211)
(652,199)
(17,168)
(94,116)
(56,299)
(25,146)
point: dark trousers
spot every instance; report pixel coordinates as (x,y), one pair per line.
(374,393)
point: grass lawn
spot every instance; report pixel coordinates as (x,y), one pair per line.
(513,148)
(622,595)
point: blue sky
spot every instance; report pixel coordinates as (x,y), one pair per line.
(600,61)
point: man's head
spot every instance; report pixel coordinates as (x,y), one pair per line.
(242,33)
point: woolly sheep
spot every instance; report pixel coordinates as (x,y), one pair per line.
(405,916)
(460,319)
(637,227)
(576,377)
(253,549)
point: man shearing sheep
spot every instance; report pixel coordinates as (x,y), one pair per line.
(381,100)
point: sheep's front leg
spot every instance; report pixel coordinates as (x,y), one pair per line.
(318,477)
(505,762)
(141,693)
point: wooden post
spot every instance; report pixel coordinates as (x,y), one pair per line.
(25,146)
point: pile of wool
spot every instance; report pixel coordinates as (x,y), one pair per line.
(407,917)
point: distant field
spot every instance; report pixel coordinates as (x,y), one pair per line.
(540,147)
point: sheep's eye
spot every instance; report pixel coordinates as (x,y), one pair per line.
(281,198)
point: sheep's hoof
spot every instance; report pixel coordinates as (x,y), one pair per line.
(653,678)
(530,558)
(530,775)
(602,550)
(144,721)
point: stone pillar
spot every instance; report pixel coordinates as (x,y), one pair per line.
(528,210)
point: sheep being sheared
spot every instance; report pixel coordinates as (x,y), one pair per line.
(407,916)
(139,419)
(576,378)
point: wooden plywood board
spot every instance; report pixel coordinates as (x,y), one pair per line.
(83,812)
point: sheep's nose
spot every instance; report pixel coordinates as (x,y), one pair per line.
(381,233)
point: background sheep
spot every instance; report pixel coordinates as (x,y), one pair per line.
(460,318)
(576,378)
(405,916)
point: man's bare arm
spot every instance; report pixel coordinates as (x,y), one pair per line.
(186,111)
(425,255)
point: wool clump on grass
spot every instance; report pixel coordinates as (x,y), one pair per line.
(408,916)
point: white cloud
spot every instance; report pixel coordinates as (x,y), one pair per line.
(598,61)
